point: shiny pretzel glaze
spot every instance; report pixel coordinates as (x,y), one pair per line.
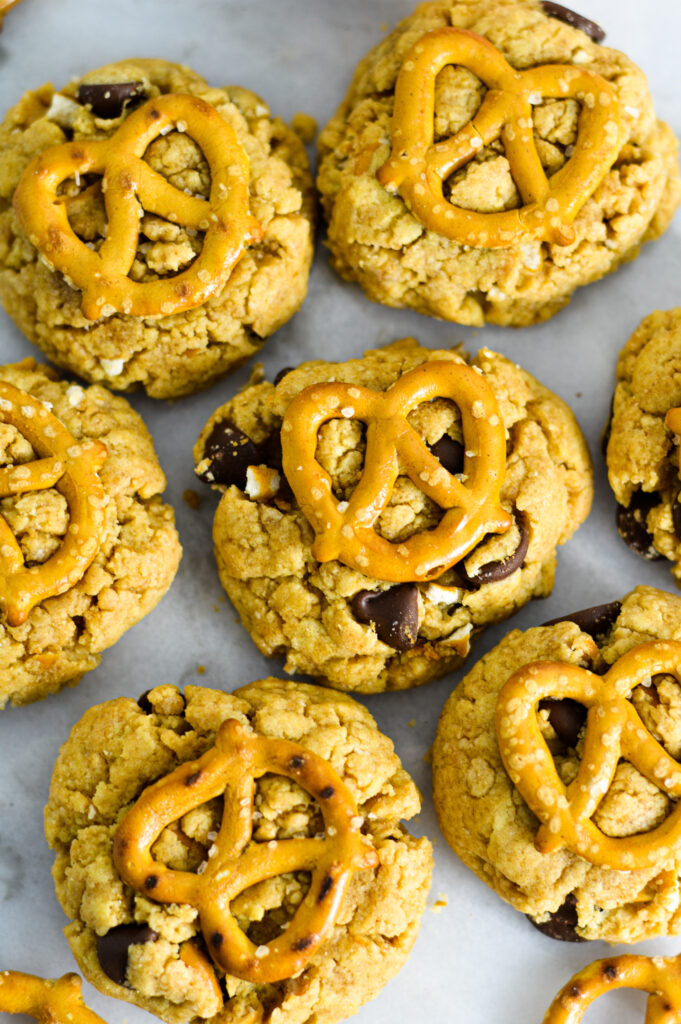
(418,167)
(231,767)
(346,530)
(49,1001)
(613,731)
(658,975)
(71,467)
(130,187)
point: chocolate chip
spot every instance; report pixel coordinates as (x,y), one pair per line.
(594,621)
(567,717)
(591,29)
(632,527)
(109,99)
(282,373)
(112,948)
(449,453)
(562,923)
(492,572)
(145,704)
(231,452)
(676,515)
(393,612)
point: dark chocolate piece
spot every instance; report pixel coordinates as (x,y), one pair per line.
(562,922)
(492,572)
(394,613)
(145,704)
(282,373)
(109,99)
(567,717)
(591,29)
(594,621)
(449,453)
(112,948)
(632,527)
(231,452)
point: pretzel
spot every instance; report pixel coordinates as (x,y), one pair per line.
(418,167)
(130,186)
(71,467)
(49,1001)
(658,975)
(231,767)
(672,421)
(346,530)
(613,731)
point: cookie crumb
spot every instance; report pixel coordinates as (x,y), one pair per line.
(304,126)
(192,498)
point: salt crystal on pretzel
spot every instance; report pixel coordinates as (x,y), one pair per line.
(418,167)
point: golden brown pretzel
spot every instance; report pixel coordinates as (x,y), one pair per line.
(613,731)
(673,422)
(70,466)
(418,167)
(49,1001)
(231,767)
(130,186)
(658,975)
(346,530)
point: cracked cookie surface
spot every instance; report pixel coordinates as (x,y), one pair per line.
(63,636)
(171,355)
(293,605)
(375,240)
(642,453)
(488,824)
(120,747)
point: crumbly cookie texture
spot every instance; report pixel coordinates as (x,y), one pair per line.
(171,355)
(488,824)
(63,636)
(642,454)
(117,749)
(375,240)
(295,606)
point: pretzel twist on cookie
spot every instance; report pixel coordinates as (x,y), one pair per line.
(130,187)
(657,975)
(231,767)
(613,731)
(70,466)
(346,530)
(418,166)
(49,1001)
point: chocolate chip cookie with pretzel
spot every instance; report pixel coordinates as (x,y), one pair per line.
(154,231)
(490,158)
(87,546)
(557,775)
(235,856)
(377,514)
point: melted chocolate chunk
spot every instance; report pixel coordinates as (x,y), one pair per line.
(231,452)
(449,453)
(145,704)
(492,572)
(112,948)
(393,612)
(562,923)
(676,516)
(567,717)
(591,29)
(109,99)
(594,621)
(631,524)
(282,373)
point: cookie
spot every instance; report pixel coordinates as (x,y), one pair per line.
(581,851)
(87,546)
(642,440)
(203,249)
(362,577)
(541,192)
(313,796)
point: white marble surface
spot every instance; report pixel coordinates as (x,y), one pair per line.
(477,960)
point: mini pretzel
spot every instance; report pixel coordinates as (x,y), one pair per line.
(49,1001)
(613,731)
(418,166)
(346,530)
(231,767)
(130,186)
(71,467)
(658,975)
